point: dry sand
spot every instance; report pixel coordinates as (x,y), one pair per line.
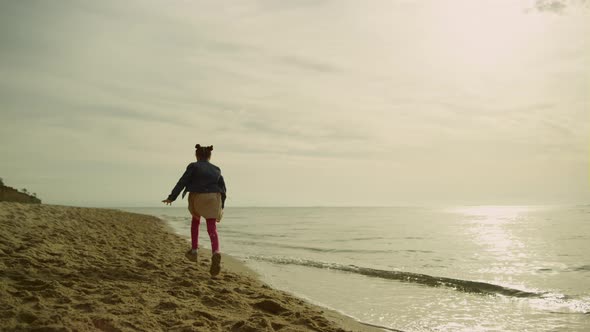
(82,269)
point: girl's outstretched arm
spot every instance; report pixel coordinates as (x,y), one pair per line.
(182,182)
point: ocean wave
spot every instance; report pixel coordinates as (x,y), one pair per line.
(366,238)
(581,268)
(325,250)
(172,219)
(467,286)
(243,234)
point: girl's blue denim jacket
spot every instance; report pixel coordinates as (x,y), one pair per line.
(200,177)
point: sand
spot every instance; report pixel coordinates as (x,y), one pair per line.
(82,269)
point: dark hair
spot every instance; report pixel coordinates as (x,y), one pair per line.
(203,152)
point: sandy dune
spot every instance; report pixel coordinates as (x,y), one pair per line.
(79,269)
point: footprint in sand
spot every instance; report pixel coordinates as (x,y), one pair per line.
(87,307)
(26,317)
(270,306)
(104,325)
(166,305)
(253,323)
(34,284)
(112,299)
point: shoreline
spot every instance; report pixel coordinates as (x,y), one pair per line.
(71,268)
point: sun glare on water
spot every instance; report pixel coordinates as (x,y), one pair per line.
(490,228)
(493,213)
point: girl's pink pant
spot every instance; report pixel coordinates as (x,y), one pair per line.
(211,229)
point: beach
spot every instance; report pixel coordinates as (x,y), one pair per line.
(86,269)
(419,269)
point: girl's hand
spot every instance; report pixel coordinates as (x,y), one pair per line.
(167,201)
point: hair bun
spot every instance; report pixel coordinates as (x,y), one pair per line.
(204,148)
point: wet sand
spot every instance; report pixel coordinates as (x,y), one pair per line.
(84,269)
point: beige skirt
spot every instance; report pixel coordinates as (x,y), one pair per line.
(206,205)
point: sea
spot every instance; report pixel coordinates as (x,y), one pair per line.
(457,268)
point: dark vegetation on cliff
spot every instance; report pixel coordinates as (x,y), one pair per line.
(9,194)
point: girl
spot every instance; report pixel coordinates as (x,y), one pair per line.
(206,198)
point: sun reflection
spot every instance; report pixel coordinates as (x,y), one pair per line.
(496,212)
(490,227)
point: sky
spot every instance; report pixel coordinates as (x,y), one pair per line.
(307,102)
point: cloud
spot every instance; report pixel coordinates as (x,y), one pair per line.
(111,93)
(308,64)
(555,6)
(559,6)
